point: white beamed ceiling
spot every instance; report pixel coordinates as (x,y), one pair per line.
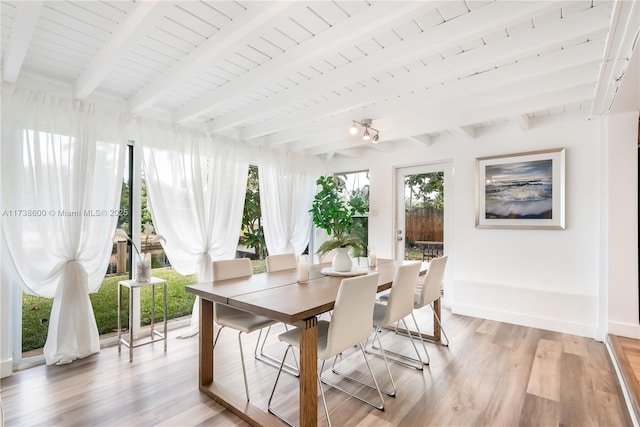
(294,75)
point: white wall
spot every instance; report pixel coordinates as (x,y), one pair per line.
(541,278)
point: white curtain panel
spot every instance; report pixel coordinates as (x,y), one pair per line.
(196,189)
(62,165)
(287,188)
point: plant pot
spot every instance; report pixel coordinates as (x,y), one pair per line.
(342,261)
(143,268)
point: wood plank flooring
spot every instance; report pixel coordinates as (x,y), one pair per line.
(492,374)
(627,353)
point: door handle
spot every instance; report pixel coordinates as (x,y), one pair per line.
(400,239)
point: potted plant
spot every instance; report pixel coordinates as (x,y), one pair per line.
(331,212)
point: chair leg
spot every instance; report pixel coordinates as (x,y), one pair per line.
(398,357)
(244,371)
(424,347)
(375,385)
(272,361)
(269,407)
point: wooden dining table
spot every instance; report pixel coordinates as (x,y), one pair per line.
(279,296)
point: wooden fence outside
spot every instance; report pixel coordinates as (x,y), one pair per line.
(424,224)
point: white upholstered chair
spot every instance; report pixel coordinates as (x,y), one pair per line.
(281,262)
(350,326)
(229,317)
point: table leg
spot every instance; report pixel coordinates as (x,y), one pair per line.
(131,293)
(153,310)
(165,316)
(206,343)
(309,373)
(119,315)
(437,332)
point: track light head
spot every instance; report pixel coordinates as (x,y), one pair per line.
(375,138)
(366,135)
(353,130)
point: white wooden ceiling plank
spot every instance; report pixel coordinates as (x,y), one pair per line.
(241,29)
(428,20)
(51,12)
(387,38)
(207,13)
(278,39)
(189,21)
(577,56)
(78,12)
(160,35)
(246,59)
(369,46)
(548,18)
(311,21)
(178,31)
(26,18)
(263,47)
(352,53)
(231,9)
(38,49)
(293,30)
(495,35)
(162,60)
(345,33)
(408,29)
(452,9)
(61,44)
(352,7)
(329,11)
(494,15)
(115,11)
(143,17)
(468,132)
(51,29)
(162,48)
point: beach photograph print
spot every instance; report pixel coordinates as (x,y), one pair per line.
(522,190)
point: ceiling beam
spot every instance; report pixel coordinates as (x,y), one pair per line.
(506,102)
(143,15)
(257,18)
(420,139)
(506,50)
(567,61)
(447,35)
(346,33)
(522,121)
(467,131)
(22,29)
(623,37)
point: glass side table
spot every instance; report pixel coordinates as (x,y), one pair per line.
(155,334)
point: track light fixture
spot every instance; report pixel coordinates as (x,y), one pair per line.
(366,125)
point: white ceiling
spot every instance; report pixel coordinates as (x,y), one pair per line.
(294,75)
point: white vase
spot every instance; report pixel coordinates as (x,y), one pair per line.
(143,268)
(342,261)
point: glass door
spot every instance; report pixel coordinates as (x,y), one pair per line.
(422,210)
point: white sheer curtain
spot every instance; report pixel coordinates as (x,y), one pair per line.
(62,168)
(287,188)
(196,187)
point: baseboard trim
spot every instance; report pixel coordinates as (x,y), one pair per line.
(6,368)
(555,325)
(615,352)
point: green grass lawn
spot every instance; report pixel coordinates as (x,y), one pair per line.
(36,310)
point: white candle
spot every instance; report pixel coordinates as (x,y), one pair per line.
(373,261)
(303,270)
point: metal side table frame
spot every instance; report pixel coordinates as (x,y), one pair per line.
(155,334)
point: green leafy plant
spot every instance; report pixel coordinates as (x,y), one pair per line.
(334,214)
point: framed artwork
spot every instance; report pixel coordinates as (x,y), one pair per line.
(523,190)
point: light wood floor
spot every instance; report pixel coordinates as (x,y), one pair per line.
(493,374)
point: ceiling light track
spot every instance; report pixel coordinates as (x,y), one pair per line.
(365,126)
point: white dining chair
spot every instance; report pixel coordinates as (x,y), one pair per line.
(398,305)
(281,262)
(350,326)
(229,317)
(426,294)
(431,289)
